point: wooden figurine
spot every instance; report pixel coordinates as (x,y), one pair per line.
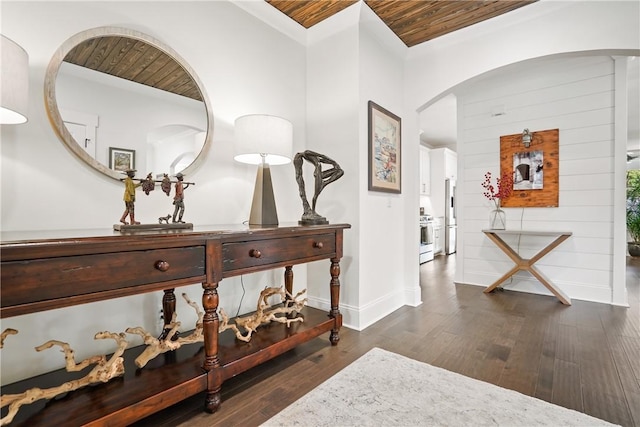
(178,198)
(129,198)
(148,185)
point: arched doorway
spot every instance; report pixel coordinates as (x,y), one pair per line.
(503,74)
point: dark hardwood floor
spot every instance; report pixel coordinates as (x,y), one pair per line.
(585,356)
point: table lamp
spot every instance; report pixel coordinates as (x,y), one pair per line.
(263,140)
(14,82)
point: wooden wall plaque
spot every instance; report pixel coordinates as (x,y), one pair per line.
(534,169)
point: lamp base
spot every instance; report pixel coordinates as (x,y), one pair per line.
(263,207)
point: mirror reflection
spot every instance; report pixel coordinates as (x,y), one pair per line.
(119,99)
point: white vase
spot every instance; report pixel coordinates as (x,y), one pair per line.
(497,218)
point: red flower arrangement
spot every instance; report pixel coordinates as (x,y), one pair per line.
(504,186)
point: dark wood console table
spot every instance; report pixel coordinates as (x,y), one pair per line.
(41,273)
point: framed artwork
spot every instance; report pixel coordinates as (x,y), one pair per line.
(535,169)
(121,159)
(384,150)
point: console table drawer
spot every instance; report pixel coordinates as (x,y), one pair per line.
(51,278)
(277,251)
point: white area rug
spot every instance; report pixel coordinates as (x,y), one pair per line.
(387,389)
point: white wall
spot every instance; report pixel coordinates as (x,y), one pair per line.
(331,130)
(245,66)
(383,283)
(576,96)
(349,64)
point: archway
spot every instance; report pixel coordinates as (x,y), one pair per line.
(619,290)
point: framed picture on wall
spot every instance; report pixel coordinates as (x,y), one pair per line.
(121,159)
(534,168)
(384,150)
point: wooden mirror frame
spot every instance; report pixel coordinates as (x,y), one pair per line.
(53,111)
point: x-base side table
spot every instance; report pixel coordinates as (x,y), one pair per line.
(527,264)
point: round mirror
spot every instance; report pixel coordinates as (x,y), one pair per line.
(120,99)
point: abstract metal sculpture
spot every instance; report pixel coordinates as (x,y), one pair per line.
(322,179)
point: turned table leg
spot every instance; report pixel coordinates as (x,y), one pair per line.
(210,325)
(334,287)
(288,280)
(288,286)
(168,308)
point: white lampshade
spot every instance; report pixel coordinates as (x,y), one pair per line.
(263,140)
(14,83)
(258,134)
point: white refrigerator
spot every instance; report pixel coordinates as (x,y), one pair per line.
(450,224)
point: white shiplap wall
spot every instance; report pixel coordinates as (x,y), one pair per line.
(575,95)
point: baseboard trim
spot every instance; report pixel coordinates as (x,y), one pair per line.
(359,318)
(530,285)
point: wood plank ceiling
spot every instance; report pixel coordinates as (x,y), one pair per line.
(413,21)
(136,61)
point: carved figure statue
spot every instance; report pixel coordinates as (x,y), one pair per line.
(129,198)
(148,185)
(322,179)
(178,198)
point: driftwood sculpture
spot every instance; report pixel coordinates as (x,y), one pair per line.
(157,346)
(265,313)
(5,334)
(104,370)
(107,369)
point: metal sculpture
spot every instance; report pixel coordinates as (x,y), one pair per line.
(322,179)
(148,185)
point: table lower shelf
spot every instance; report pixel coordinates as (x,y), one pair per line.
(164,381)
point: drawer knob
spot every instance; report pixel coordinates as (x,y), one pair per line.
(162,265)
(254,253)
(318,245)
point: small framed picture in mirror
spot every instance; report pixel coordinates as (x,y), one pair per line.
(121,159)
